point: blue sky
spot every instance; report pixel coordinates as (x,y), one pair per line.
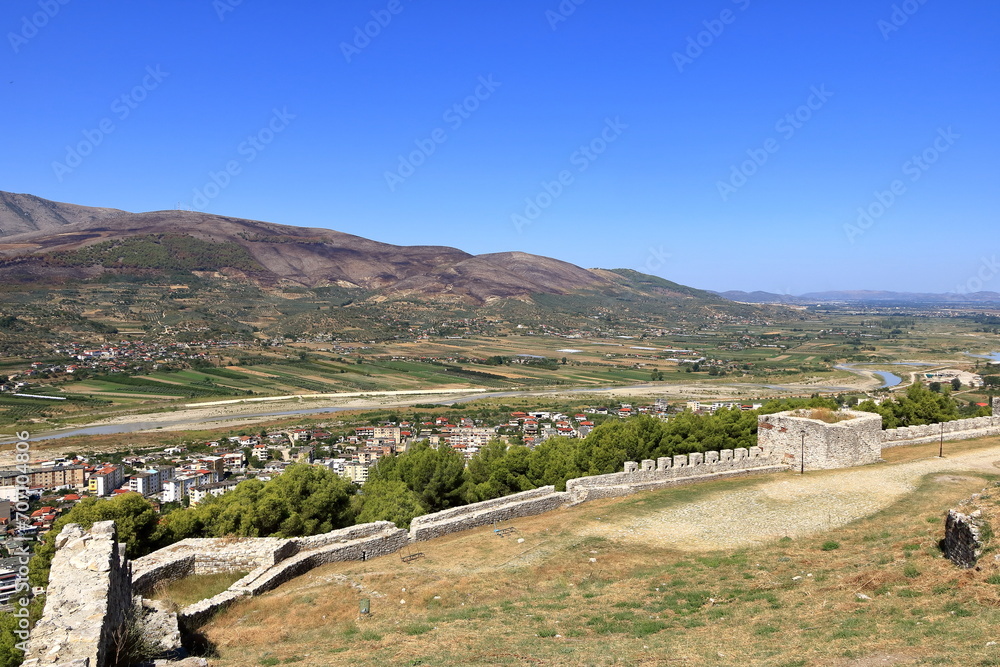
(724,144)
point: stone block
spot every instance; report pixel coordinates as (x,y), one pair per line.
(680,461)
(695,459)
(648,464)
(631,466)
(663,463)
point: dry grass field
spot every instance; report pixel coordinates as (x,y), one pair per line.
(694,575)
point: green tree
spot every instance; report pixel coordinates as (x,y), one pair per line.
(387,500)
(554,462)
(10,655)
(135,517)
(435,475)
(304,500)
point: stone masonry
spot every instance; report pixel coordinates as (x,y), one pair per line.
(537,501)
(855,441)
(962,543)
(672,471)
(87,602)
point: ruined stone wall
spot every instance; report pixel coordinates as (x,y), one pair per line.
(853,442)
(87,601)
(962,543)
(671,471)
(210,555)
(528,503)
(342,535)
(376,539)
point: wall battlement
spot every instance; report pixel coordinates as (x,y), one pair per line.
(672,471)
(959,429)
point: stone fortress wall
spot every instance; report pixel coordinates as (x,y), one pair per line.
(792,436)
(76,628)
(960,429)
(89,595)
(672,471)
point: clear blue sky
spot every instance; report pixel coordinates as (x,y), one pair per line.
(650,201)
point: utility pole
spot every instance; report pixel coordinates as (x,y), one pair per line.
(802,455)
(941,445)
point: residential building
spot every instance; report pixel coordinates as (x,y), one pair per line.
(202,491)
(56,477)
(105,480)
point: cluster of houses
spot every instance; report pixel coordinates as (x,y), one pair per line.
(700,408)
(118,357)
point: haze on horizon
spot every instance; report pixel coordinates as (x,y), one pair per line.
(724,145)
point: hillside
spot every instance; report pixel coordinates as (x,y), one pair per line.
(20,214)
(241,274)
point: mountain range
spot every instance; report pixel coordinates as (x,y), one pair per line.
(874,297)
(239,264)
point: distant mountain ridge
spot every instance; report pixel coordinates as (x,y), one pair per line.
(22,213)
(862,296)
(43,241)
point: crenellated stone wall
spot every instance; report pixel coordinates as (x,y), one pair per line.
(87,602)
(959,429)
(672,471)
